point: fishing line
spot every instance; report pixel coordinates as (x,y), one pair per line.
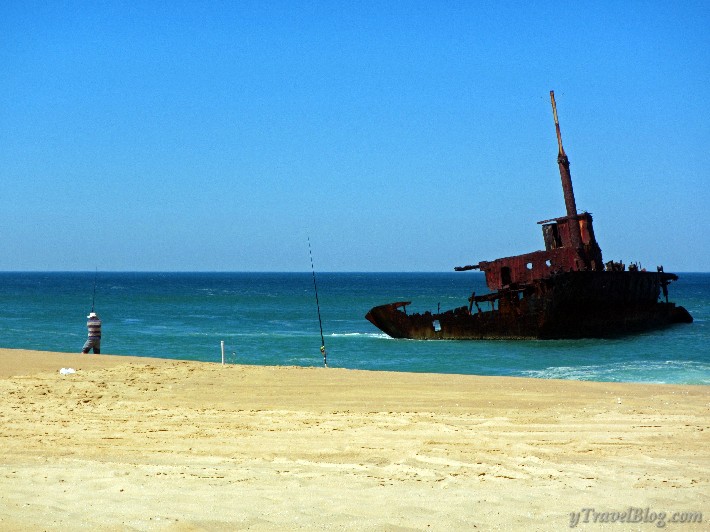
(315,288)
(93,299)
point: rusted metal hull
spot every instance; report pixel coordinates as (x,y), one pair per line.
(580,304)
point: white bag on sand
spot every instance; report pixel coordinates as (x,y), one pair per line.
(67,371)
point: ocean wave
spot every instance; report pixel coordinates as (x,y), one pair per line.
(642,371)
(364,335)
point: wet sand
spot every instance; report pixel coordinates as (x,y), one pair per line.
(129,443)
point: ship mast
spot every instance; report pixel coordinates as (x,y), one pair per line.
(563,163)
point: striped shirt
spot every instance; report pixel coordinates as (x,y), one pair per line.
(94,326)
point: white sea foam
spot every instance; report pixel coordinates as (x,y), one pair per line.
(665,372)
(362,335)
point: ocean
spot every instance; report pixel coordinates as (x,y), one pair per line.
(272,319)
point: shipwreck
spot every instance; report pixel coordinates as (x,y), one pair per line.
(565,291)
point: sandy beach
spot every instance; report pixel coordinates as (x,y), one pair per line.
(130,443)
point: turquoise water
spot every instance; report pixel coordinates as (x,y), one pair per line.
(271,319)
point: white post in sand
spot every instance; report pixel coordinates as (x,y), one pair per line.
(222,342)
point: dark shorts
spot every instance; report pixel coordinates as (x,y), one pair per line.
(92,343)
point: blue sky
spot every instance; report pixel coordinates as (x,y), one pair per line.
(399,136)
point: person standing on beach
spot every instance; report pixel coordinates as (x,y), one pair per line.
(94,340)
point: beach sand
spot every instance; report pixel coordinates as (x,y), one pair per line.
(148,444)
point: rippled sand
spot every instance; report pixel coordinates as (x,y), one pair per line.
(151,444)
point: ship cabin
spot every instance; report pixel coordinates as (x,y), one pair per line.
(562,254)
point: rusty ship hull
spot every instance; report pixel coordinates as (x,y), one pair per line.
(563,291)
(569,305)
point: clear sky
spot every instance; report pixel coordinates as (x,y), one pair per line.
(399,136)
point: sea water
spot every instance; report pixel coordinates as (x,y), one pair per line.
(272,319)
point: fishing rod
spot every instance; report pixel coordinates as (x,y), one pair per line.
(315,288)
(93,299)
